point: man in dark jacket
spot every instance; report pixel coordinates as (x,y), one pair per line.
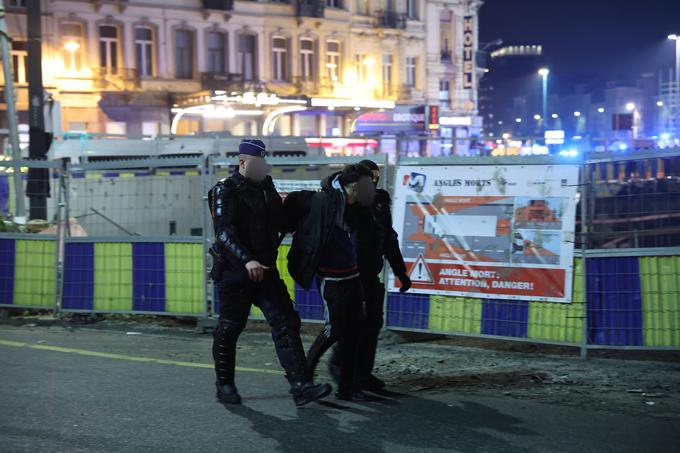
(324,247)
(376,242)
(247,212)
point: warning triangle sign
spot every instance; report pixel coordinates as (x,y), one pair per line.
(420,273)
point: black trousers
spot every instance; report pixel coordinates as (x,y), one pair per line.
(344,315)
(374,298)
(270,296)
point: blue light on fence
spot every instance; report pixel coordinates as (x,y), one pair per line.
(568,153)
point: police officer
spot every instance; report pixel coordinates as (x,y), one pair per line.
(376,241)
(247,212)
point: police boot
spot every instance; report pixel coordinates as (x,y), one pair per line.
(227,394)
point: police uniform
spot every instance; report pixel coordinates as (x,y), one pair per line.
(246,218)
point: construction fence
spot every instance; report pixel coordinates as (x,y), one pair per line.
(132,237)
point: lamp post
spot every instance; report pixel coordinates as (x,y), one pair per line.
(543,72)
(631,107)
(675,104)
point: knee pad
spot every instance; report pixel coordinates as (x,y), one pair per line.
(228,329)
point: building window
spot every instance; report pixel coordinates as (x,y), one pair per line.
(411,66)
(334,4)
(362,69)
(77,126)
(216,42)
(307,59)
(108,48)
(246,56)
(116,127)
(387,70)
(362,7)
(333,60)
(411,9)
(184,54)
(444,92)
(72,45)
(17,3)
(144,51)
(19,54)
(280,57)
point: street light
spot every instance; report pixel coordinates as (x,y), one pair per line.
(659,103)
(600,110)
(72,47)
(537,117)
(554,116)
(518,120)
(631,107)
(543,72)
(577,114)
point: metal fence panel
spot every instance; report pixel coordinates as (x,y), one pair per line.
(147,231)
(152,276)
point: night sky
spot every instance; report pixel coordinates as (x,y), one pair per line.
(590,41)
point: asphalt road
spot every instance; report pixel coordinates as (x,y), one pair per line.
(97,390)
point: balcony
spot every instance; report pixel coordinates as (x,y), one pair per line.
(390,19)
(230,82)
(115,79)
(310,8)
(407,92)
(220,5)
(306,87)
(220,80)
(446,56)
(387,92)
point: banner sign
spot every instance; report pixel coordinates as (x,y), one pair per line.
(502,232)
(468,52)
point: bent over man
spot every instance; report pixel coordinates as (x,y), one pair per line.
(325,248)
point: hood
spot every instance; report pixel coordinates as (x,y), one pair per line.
(331,183)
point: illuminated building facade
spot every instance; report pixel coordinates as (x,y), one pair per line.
(310,67)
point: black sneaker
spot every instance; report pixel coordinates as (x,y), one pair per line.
(227,394)
(351,395)
(372,383)
(306,392)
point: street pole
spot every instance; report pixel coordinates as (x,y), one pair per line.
(10,100)
(545,101)
(37,187)
(543,72)
(676,100)
(674,108)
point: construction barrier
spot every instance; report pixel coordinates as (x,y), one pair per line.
(150,257)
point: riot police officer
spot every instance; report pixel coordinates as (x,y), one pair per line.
(247,212)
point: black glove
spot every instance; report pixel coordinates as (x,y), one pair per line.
(405,283)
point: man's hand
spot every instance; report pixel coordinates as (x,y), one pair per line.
(256,270)
(405,283)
